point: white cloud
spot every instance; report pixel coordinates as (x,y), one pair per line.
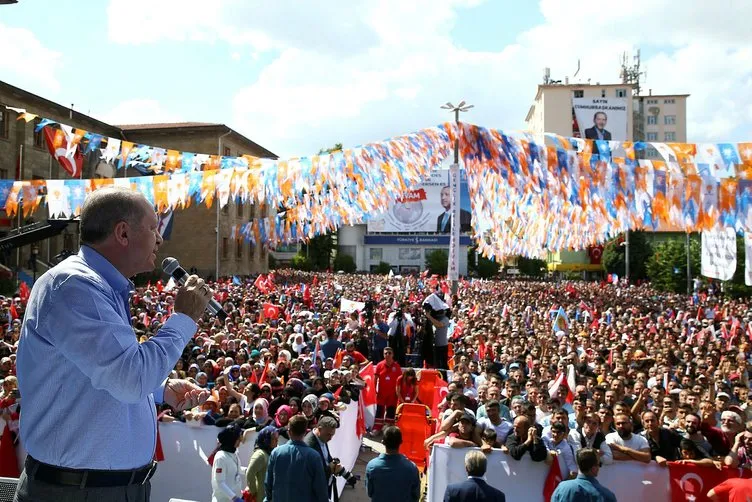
(138,111)
(26,63)
(359,71)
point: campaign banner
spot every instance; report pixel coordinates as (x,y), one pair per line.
(427,208)
(718,259)
(748,258)
(348,306)
(454,236)
(524,479)
(601,118)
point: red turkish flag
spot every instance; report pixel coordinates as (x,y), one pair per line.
(369,392)
(360,424)
(8,459)
(692,482)
(70,157)
(23,292)
(552,480)
(271,311)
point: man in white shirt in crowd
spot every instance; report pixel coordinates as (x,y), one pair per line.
(494,421)
(625,445)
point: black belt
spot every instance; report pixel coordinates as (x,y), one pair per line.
(88,478)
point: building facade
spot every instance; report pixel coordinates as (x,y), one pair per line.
(24,155)
(651,118)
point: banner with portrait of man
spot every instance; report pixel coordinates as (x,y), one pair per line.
(427,208)
(601,118)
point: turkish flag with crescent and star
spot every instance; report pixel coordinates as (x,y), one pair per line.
(691,483)
(553,478)
(271,311)
(369,377)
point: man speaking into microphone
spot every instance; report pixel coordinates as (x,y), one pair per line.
(89,388)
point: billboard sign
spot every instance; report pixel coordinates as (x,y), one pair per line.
(601,118)
(426,209)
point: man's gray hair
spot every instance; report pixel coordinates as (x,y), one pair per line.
(732,415)
(327,422)
(475,463)
(107,207)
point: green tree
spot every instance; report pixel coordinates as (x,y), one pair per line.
(344,262)
(531,266)
(640,252)
(486,268)
(382,268)
(301,262)
(319,251)
(667,267)
(437,261)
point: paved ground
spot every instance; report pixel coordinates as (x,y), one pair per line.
(370,449)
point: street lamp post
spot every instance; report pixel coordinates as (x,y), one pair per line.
(461,107)
(34,254)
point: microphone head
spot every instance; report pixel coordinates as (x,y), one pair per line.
(170,265)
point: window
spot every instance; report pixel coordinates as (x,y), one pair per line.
(226,209)
(603,93)
(621,93)
(652,101)
(669,136)
(579,93)
(38,136)
(225,247)
(669,119)
(409,253)
(263,253)
(240,210)
(4,174)
(227,151)
(652,136)
(239,249)
(669,101)
(376,254)
(652,153)
(3,123)
(652,119)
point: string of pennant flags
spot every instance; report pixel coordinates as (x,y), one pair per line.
(530,194)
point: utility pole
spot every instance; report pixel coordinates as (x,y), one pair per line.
(453,242)
(626,257)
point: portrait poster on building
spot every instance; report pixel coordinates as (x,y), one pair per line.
(427,208)
(601,118)
(718,259)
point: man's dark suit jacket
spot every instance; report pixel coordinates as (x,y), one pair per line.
(311,440)
(465,218)
(592,134)
(473,490)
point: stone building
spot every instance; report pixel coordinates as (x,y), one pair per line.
(194,240)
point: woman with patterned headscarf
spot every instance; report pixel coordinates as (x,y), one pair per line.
(266,441)
(281,419)
(309,407)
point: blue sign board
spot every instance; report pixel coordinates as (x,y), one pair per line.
(414,240)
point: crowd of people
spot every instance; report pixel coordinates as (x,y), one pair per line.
(538,368)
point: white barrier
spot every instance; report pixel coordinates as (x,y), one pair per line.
(185,474)
(523,479)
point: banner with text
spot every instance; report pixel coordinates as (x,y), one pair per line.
(748,259)
(454,236)
(427,208)
(523,479)
(719,253)
(601,118)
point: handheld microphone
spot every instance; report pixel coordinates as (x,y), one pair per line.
(171,267)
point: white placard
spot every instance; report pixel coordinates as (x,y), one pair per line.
(719,253)
(748,259)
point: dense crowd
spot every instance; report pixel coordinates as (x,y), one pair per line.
(534,367)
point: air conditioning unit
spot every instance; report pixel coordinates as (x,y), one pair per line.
(654,110)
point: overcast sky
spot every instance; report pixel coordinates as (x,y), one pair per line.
(298,76)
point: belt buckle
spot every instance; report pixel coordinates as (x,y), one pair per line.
(150,472)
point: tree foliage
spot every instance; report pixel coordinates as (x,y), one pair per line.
(667,267)
(437,261)
(532,267)
(301,262)
(344,262)
(319,251)
(382,268)
(640,252)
